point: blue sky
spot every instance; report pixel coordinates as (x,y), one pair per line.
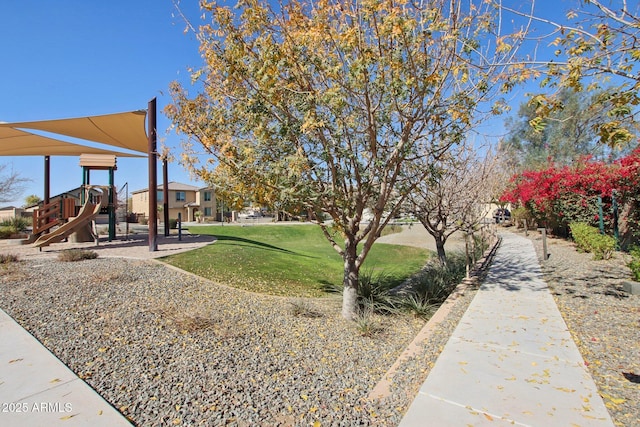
(71,58)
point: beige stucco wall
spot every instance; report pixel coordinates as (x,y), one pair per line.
(7,214)
(140,204)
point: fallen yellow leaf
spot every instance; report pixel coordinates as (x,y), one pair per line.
(67,417)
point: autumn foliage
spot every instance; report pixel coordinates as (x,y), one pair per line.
(557,196)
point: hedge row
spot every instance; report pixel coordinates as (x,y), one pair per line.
(589,239)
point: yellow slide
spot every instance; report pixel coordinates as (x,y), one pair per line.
(88,212)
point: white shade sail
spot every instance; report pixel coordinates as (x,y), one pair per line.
(124,130)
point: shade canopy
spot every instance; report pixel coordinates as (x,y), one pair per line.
(15,142)
(125,130)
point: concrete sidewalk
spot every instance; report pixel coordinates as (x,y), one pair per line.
(37,389)
(511,359)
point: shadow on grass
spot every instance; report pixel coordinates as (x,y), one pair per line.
(255,243)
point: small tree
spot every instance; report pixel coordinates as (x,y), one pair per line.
(456,197)
(32,200)
(328,105)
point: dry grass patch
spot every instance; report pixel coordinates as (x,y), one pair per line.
(73,255)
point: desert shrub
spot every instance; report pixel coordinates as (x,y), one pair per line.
(433,285)
(8,258)
(173,223)
(416,305)
(366,323)
(602,246)
(373,292)
(634,264)
(302,308)
(72,255)
(143,220)
(5,232)
(589,239)
(580,232)
(521,213)
(16,224)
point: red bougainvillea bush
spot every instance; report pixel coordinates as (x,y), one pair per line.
(557,196)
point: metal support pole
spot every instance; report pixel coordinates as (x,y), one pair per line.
(126,211)
(165,196)
(112,207)
(85,182)
(47,176)
(600,215)
(179,226)
(153,176)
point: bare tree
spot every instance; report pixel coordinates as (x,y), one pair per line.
(457,196)
(11,184)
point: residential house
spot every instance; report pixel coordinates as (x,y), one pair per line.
(183,198)
(10,212)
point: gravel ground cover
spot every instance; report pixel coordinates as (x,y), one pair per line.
(603,320)
(168,348)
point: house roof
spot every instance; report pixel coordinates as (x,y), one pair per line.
(175,186)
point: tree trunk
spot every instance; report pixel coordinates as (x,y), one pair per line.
(442,256)
(350,282)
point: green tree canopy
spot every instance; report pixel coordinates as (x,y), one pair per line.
(567,133)
(596,45)
(31,200)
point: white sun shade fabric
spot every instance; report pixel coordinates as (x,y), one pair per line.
(125,130)
(15,142)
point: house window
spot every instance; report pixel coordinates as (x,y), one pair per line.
(181,196)
(207,211)
(207,196)
(160,195)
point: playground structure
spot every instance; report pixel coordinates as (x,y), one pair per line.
(123,130)
(76,224)
(62,212)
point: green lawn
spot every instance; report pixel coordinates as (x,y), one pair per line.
(292,260)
